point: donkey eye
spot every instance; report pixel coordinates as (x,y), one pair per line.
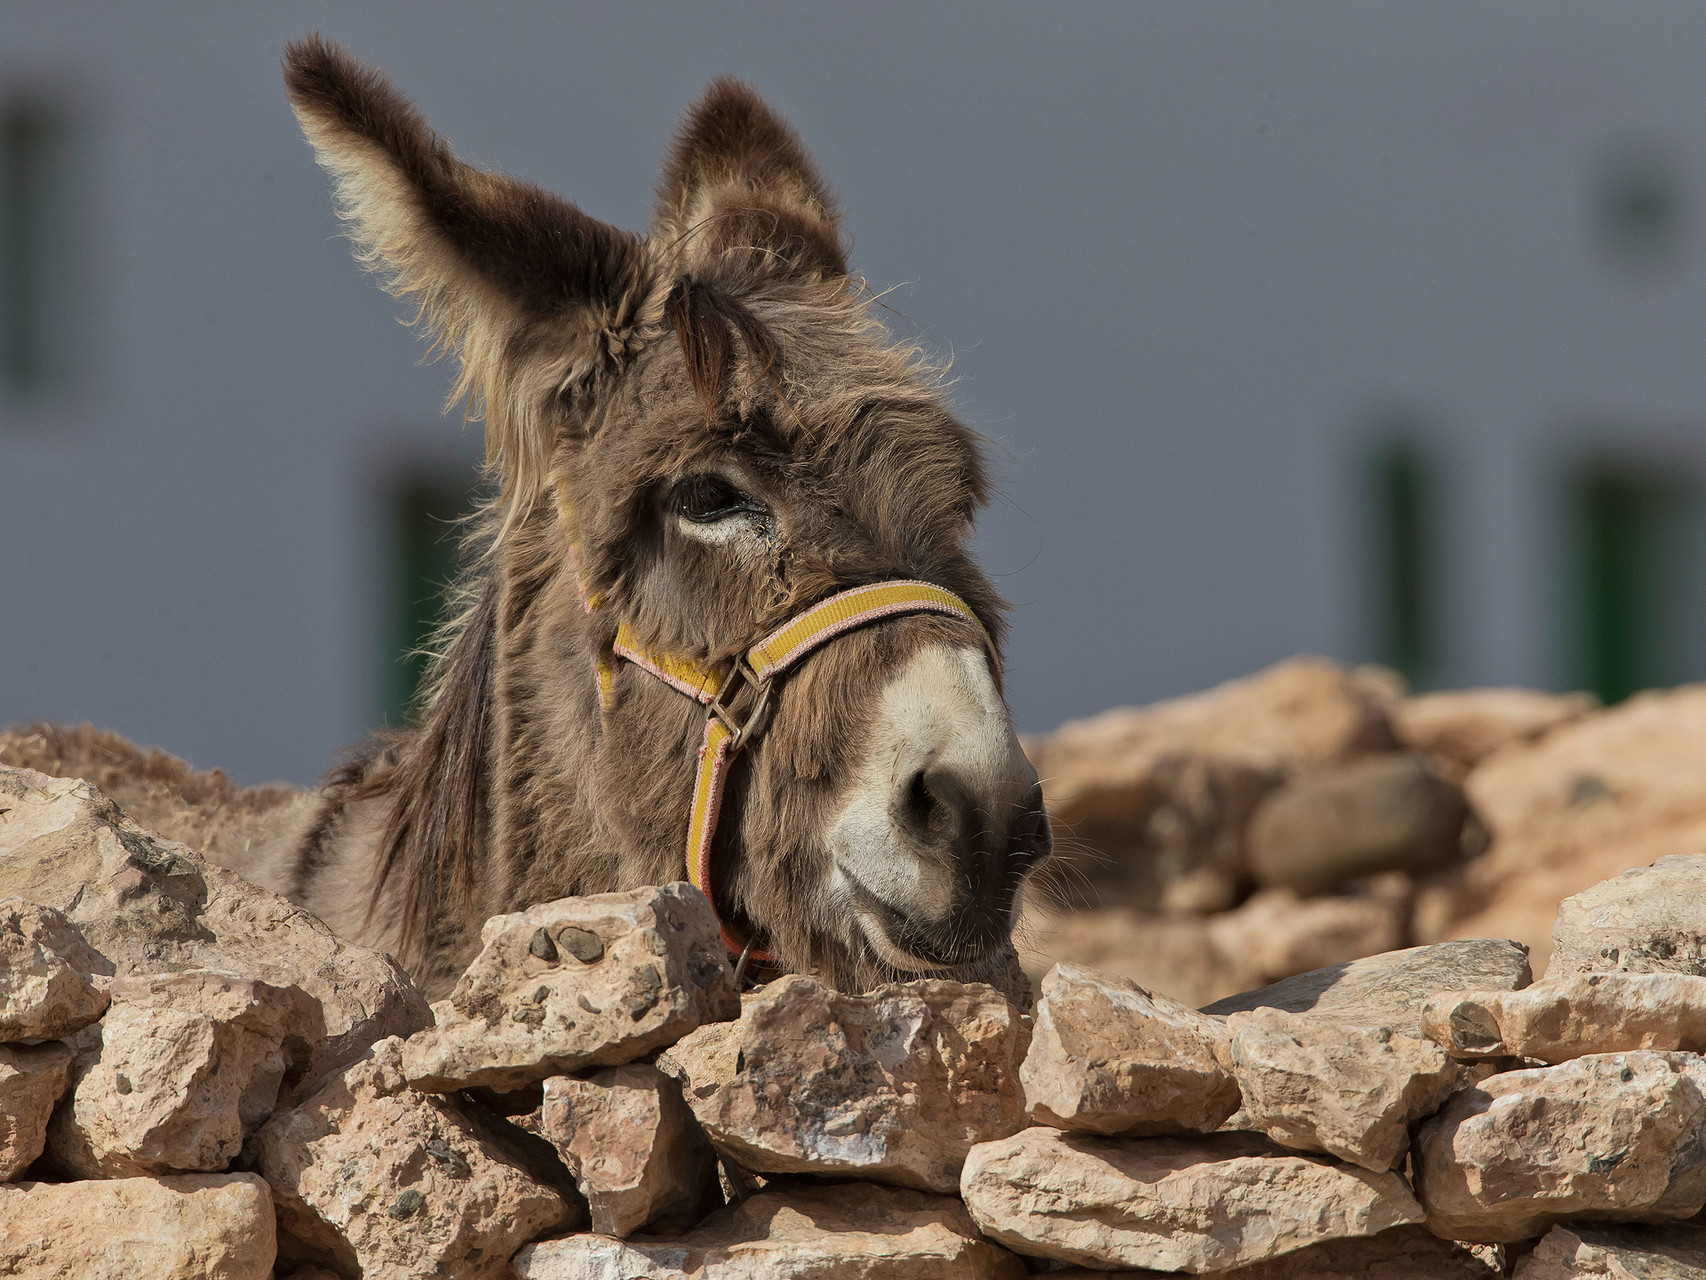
(706,499)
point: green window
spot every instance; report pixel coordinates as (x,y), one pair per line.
(1400,554)
(426,510)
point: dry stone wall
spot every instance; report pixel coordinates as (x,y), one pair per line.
(199,1079)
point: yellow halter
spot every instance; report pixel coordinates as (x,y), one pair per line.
(727,734)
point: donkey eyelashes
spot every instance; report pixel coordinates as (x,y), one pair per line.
(706,499)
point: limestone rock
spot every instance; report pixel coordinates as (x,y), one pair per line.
(183,1067)
(577,983)
(1462,727)
(1612,1136)
(1171,1204)
(1276,935)
(1316,1085)
(849,1231)
(1403,1253)
(148,906)
(1389,990)
(44,993)
(1582,1252)
(1562,1018)
(1647,920)
(212,1227)
(1107,1056)
(1612,790)
(1380,813)
(392,1184)
(705,1060)
(895,1085)
(1163,793)
(32,1078)
(1194,959)
(635,1149)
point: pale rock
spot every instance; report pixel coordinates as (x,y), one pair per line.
(1107,1056)
(1612,1136)
(1613,790)
(1582,1252)
(895,1085)
(848,1231)
(635,1150)
(705,1060)
(45,988)
(1162,793)
(1317,1085)
(1462,727)
(1171,1204)
(1195,960)
(578,983)
(1403,1253)
(32,1079)
(1389,990)
(147,906)
(1276,935)
(1647,920)
(206,1226)
(183,1068)
(1381,813)
(392,1184)
(1562,1018)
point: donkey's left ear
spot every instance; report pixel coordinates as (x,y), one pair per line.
(739,184)
(531,294)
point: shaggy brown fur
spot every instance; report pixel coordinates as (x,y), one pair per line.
(611,369)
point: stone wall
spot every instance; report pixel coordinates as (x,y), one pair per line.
(199,1079)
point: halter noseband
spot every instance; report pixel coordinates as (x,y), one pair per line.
(727,734)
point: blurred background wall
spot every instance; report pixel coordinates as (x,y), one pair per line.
(1367,330)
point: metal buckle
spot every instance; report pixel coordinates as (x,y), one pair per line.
(742,731)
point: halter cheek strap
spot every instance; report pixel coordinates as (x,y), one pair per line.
(727,734)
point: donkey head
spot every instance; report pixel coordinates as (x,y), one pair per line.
(696,434)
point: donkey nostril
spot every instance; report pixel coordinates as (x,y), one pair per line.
(917,804)
(935,806)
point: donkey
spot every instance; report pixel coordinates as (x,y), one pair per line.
(693,437)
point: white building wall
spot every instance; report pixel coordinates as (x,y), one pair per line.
(1175,251)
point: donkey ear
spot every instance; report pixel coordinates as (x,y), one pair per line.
(531,294)
(738,178)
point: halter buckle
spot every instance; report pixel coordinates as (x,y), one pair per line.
(742,731)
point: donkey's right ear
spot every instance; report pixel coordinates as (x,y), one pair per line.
(532,295)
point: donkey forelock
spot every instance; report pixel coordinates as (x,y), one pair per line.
(695,433)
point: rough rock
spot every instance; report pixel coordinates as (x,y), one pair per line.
(1316,1085)
(390,1183)
(1582,1252)
(577,983)
(635,1149)
(1462,727)
(183,1067)
(1389,990)
(212,1227)
(895,1085)
(1107,1056)
(1613,1136)
(1616,789)
(1171,1204)
(1196,959)
(1562,1018)
(32,1079)
(1162,793)
(45,989)
(1381,813)
(147,906)
(1647,920)
(1403,1253)
(703,1061)
(848,1231)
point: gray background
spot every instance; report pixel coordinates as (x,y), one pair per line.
(1178,253)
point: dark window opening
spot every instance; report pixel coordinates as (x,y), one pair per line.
(1401,552)
(37,275)
(1632,531)
(427,511)
(1639,215)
